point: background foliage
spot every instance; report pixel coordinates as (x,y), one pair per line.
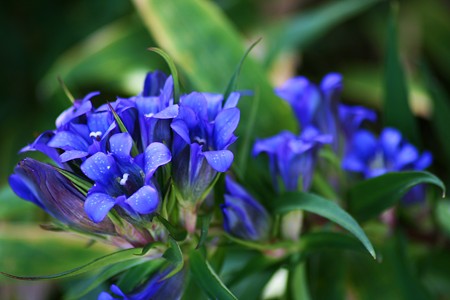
(394,58)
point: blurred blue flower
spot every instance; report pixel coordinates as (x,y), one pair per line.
(352,117)
(203,130)
(43,185)
(155,288)
(243,216)
(391,152)
(293,157)
(120,179)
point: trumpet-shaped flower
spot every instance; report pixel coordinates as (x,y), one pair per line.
(293,157)
(203,131)
(123,180)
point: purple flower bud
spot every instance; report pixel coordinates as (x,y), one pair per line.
(243,216)
(43,185)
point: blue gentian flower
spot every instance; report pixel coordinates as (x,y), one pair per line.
(43,185)
(155,288)
(293,157)
(203,131)
(391,152)
(314,105)
(243,216)
(352,118)
(123,180)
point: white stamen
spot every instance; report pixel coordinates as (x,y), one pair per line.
(199,140)
(96,135)
(149,115)
(124,179)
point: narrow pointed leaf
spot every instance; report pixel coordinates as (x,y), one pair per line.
(173,70)
(207,279)
(205,220)
(103,261)
(175,256)
(396,110)
(134,150)
(178,234)
(370,198)
(82,185)
(232,84)
(325,208)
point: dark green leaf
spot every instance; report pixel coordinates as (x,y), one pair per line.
(207,279)
(82,185)
(173,70)
(135,275)
(298,282)
(308,26)
(175,256)
(443,215)
(325,208)
(205,220)
(208,49)
(396,110)
(178,234)
(85,286)
(103,261)
(371,197)
(232,84)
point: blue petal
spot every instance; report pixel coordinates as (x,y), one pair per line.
(98,205)
(407,155)
(167,92)
(219,160)
(390,140)
(331,82)
(270,145)
(364,145)
(72,154)
(214,104)
(156,154)
(145,200)
(100,168)
(120,144)
(154,81)
(197,102)
(167,113)
(100,122)
(79,108)
(292,89)
(225,124)
(23,190)
(232,100)
(180,128)
(68,141)
(424,161)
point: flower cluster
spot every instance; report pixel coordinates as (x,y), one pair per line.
(126,154)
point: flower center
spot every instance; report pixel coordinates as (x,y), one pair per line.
(124,179)
(200,140)
(97,135)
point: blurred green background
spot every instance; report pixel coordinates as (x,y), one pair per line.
(101,46)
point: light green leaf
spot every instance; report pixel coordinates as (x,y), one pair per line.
(173,70)
(205,220)
(396,110)
(371,197)
(325,208)
(207,279)
(207,48)
(82,185)
(308,26)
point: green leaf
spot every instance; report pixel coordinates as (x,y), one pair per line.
(442,212)
(371,197)
(207,279)
(85,286)
(82,185)
(232,85)
(298,282)
(103,261)
(134,150)
(205,220)
(205,45)
(136,275)
(13,206)
(396,110)
(173,70)
(175,256)
(441,110)
(325,208)
(178,234)
(301,30)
